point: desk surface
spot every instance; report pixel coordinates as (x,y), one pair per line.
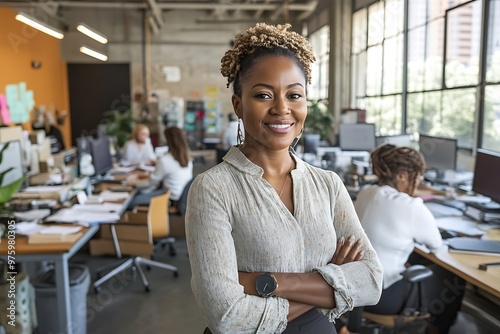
(22,246)
(466,267)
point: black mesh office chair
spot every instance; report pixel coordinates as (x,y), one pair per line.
(412,319)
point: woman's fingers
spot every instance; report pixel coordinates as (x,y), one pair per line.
(347,251)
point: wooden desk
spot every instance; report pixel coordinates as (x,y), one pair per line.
(466,267)
(59,253)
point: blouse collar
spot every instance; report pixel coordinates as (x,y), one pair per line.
(237,159)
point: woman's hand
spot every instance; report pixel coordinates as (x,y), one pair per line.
(347,251)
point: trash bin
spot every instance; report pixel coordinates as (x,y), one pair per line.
(46,300)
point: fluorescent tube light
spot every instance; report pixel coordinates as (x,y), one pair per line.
(93,53)
(92,33)
(32,22)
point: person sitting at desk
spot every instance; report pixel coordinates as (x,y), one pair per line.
(173,171)
(48,125)
(139,148)
(394,221)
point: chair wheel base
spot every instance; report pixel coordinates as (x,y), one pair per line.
(147,289)
(176,273)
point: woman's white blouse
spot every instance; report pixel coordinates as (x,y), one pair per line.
(235,221)
(394,222)
(134,153)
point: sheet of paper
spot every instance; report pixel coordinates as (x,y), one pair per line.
(28,228)
(104,207)
(60,230)
(32,215)
(76,216)
(114,195)
(44,189)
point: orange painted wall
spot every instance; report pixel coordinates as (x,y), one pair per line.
(19,46)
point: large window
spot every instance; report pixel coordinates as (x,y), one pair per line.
(442,68)
(320,43)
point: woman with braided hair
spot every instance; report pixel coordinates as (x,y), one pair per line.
(394,221)
(275,245)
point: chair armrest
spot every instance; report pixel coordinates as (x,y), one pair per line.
(416,273)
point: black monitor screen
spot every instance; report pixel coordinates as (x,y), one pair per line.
(440,154)
(101,155)
(486,178)
(311,143)
(357,137)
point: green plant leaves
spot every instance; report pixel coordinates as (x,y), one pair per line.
(8,190)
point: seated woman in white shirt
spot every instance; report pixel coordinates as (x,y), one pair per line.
(394,221)
(172,171)
(138,149)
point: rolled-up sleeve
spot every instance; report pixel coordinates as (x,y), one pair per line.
(212,255)
(356,283)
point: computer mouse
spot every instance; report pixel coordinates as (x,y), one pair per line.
(447,234)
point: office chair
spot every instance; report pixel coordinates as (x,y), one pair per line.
(158,226)
(412,319)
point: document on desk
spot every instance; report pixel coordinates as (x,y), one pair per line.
(111,196)
(98,208)
(44,189)
(32,215)
(460,225)
(85,219)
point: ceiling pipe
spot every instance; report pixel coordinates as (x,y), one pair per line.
(175,5)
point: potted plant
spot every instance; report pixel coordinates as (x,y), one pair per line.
(7,191)
(119,124)
(319,118)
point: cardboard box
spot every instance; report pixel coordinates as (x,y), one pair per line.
(177,226)
(106,247)
(134,218)
(128,232)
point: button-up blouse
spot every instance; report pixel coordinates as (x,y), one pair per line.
(235,221)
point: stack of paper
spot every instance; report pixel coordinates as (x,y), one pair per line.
(56,234)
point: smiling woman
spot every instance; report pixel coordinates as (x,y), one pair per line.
(273,240)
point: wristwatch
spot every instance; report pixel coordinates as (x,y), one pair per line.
(266,284)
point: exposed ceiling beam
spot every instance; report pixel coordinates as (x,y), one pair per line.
(156,11)
(175,5)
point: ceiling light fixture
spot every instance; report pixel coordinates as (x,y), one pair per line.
(43,27)
(93,53)
(92,33)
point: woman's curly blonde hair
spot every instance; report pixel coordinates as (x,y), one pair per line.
(263,40)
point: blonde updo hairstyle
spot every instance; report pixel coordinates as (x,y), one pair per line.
(388,161)
(138,128)
(260,41)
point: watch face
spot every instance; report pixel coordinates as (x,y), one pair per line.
(265,285)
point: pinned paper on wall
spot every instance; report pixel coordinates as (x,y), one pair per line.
(19,101)
(4,110)
(172,73)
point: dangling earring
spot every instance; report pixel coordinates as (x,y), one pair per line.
(296,141)
(240,138)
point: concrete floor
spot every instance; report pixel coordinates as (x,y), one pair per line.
(123,306)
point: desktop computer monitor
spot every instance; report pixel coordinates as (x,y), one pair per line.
(311,142)
(440,154)
(357,137)
(12,157)
(101,155)
(486,181)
